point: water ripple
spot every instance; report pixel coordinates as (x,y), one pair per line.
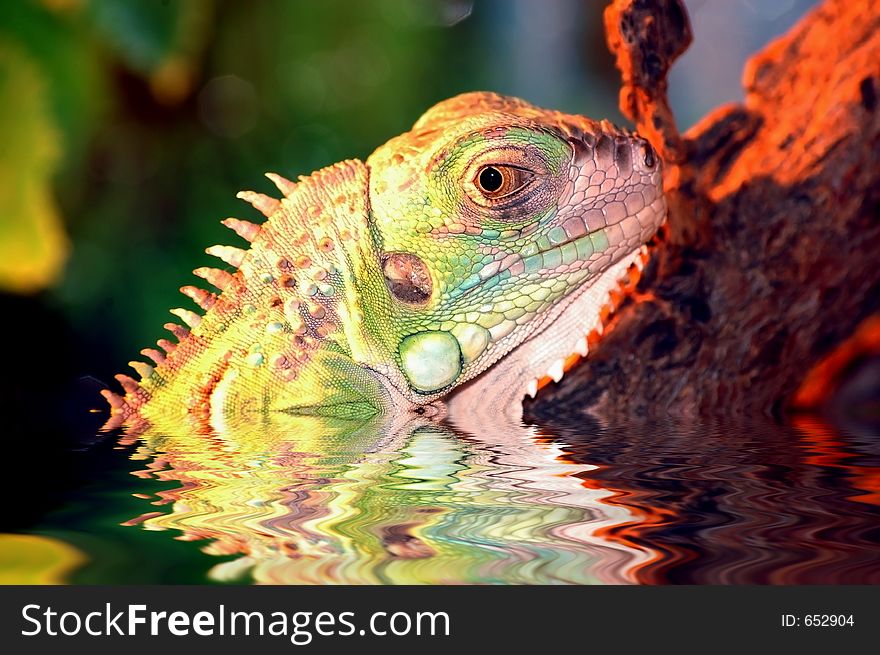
(573,503)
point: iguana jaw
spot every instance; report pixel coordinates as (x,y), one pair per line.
(550,340)
(495,397)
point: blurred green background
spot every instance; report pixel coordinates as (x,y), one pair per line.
(135,122)
(127,127)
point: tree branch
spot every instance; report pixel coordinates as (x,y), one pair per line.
(770,257)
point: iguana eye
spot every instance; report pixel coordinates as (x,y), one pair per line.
(497,181)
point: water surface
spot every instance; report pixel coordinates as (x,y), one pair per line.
(576,503)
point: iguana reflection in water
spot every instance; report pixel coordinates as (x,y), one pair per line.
(313,500)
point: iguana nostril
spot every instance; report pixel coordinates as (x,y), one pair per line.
(648,152)
(407,277)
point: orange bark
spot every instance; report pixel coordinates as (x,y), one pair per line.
(769,260)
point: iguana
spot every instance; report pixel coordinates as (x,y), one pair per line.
(460,263)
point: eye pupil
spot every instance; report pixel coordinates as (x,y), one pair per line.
(491,179)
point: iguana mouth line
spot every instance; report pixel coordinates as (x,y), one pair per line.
(622,285)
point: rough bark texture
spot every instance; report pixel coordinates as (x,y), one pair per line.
(771,254)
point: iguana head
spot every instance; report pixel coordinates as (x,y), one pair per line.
(491,230)
(490,213)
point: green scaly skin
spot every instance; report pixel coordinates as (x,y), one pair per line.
(408,284)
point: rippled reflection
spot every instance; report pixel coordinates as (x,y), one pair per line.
(740,502)
(309,502)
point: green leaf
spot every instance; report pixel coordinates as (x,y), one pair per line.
(33,245)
